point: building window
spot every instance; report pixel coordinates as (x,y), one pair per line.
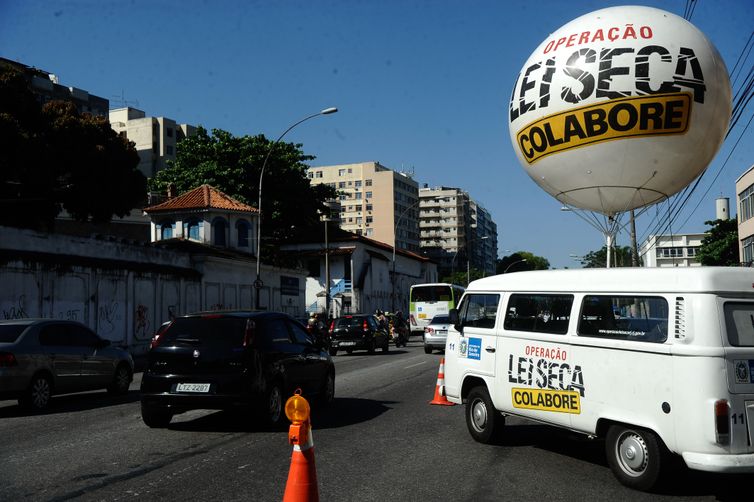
(342,184)
(169,150)
(370,219)
(368,183)
(748,250)
(169,132)
(167,230)
(350,170)
(369,232)
(318,174)
(219,227)
(369,207)
(358,220)
(669,252)
(341,172)
(357,183)
(310,175)
(746,203)
(692,251)
(243,233)
(358,195)
(369,195)
(192,230)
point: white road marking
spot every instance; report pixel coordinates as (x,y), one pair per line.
(417,364)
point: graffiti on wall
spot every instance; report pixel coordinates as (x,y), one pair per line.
(141,322)
(108,317)
(16,309)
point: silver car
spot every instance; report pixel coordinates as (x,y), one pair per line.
(436,333)
(42,357)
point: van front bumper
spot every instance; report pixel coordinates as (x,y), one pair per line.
(731,463)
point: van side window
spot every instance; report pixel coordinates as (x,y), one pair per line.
(640,318)
(538,313)
(479,310)
(739,323)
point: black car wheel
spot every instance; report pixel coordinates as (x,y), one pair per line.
(121,380)
(484,422)
(386,347)
(427,349)
(154,417)
(274,414)
(333,352)
(635,456)
(348,351)
(327,395)
(38,394)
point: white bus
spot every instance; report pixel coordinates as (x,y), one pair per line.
(657,361)
(429,300)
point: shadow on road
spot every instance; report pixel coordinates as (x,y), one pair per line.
(70,403)
(679,480)
(342,412)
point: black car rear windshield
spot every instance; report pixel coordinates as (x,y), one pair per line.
(207,329)
(9,333)
(350,322)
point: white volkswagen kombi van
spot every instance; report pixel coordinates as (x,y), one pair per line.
(653,360)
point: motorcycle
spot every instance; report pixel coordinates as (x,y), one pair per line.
(399,334)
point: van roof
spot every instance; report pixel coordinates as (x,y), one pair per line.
(639,280)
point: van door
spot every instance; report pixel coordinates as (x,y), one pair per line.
(471,350)
(536,368)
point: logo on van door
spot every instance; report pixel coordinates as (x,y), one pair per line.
(744,371)
(471,349)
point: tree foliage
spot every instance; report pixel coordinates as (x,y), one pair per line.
(720,244)
(620,257)
(520,261)
(55,158)
(233,164)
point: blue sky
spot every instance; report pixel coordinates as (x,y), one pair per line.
(422,86)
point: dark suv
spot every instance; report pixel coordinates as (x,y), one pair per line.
(219,360)
(357,332)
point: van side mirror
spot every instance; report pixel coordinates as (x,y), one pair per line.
(453,318)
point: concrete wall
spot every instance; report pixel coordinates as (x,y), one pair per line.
(125,290)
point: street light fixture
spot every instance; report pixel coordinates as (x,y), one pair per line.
(395,243)
(468,258)
(258,281)
(514,263)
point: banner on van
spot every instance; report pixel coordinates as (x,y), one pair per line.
(560,401)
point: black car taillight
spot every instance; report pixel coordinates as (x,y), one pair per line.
(332,326)
(248,334)
(7,359)
(365,326)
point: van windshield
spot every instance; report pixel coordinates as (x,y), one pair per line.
(739,323)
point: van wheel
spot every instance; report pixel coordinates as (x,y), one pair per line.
(635,456)
(484,422)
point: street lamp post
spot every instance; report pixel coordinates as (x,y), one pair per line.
(468,259)
(395,244)
(258,281)
(514,263)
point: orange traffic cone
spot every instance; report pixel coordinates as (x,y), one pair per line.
(302,477)
(440,387)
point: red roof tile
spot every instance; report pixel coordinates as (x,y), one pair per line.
(203,197)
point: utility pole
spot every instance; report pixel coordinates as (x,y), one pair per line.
(634,250)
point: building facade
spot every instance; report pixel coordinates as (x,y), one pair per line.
(46,87)
(155,138)
(456,231)
(376,202)
(745,201)
(674,250)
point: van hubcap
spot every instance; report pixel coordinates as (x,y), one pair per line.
(479,415)
(632,453)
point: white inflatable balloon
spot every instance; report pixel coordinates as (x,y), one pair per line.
(620,108)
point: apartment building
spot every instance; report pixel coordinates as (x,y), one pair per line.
(745,201)
(672,250)
(456,231)
(155,137)
(376,201)
(46,87)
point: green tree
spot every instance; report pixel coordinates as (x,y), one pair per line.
(55,158)
(720,244)
(620,257)
(520,261)
(233,164)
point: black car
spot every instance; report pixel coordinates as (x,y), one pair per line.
(221,360)
(357,332)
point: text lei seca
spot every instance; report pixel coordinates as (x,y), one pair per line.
(639,111)
(560,385)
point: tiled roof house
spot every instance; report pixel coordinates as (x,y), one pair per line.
(205,215)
